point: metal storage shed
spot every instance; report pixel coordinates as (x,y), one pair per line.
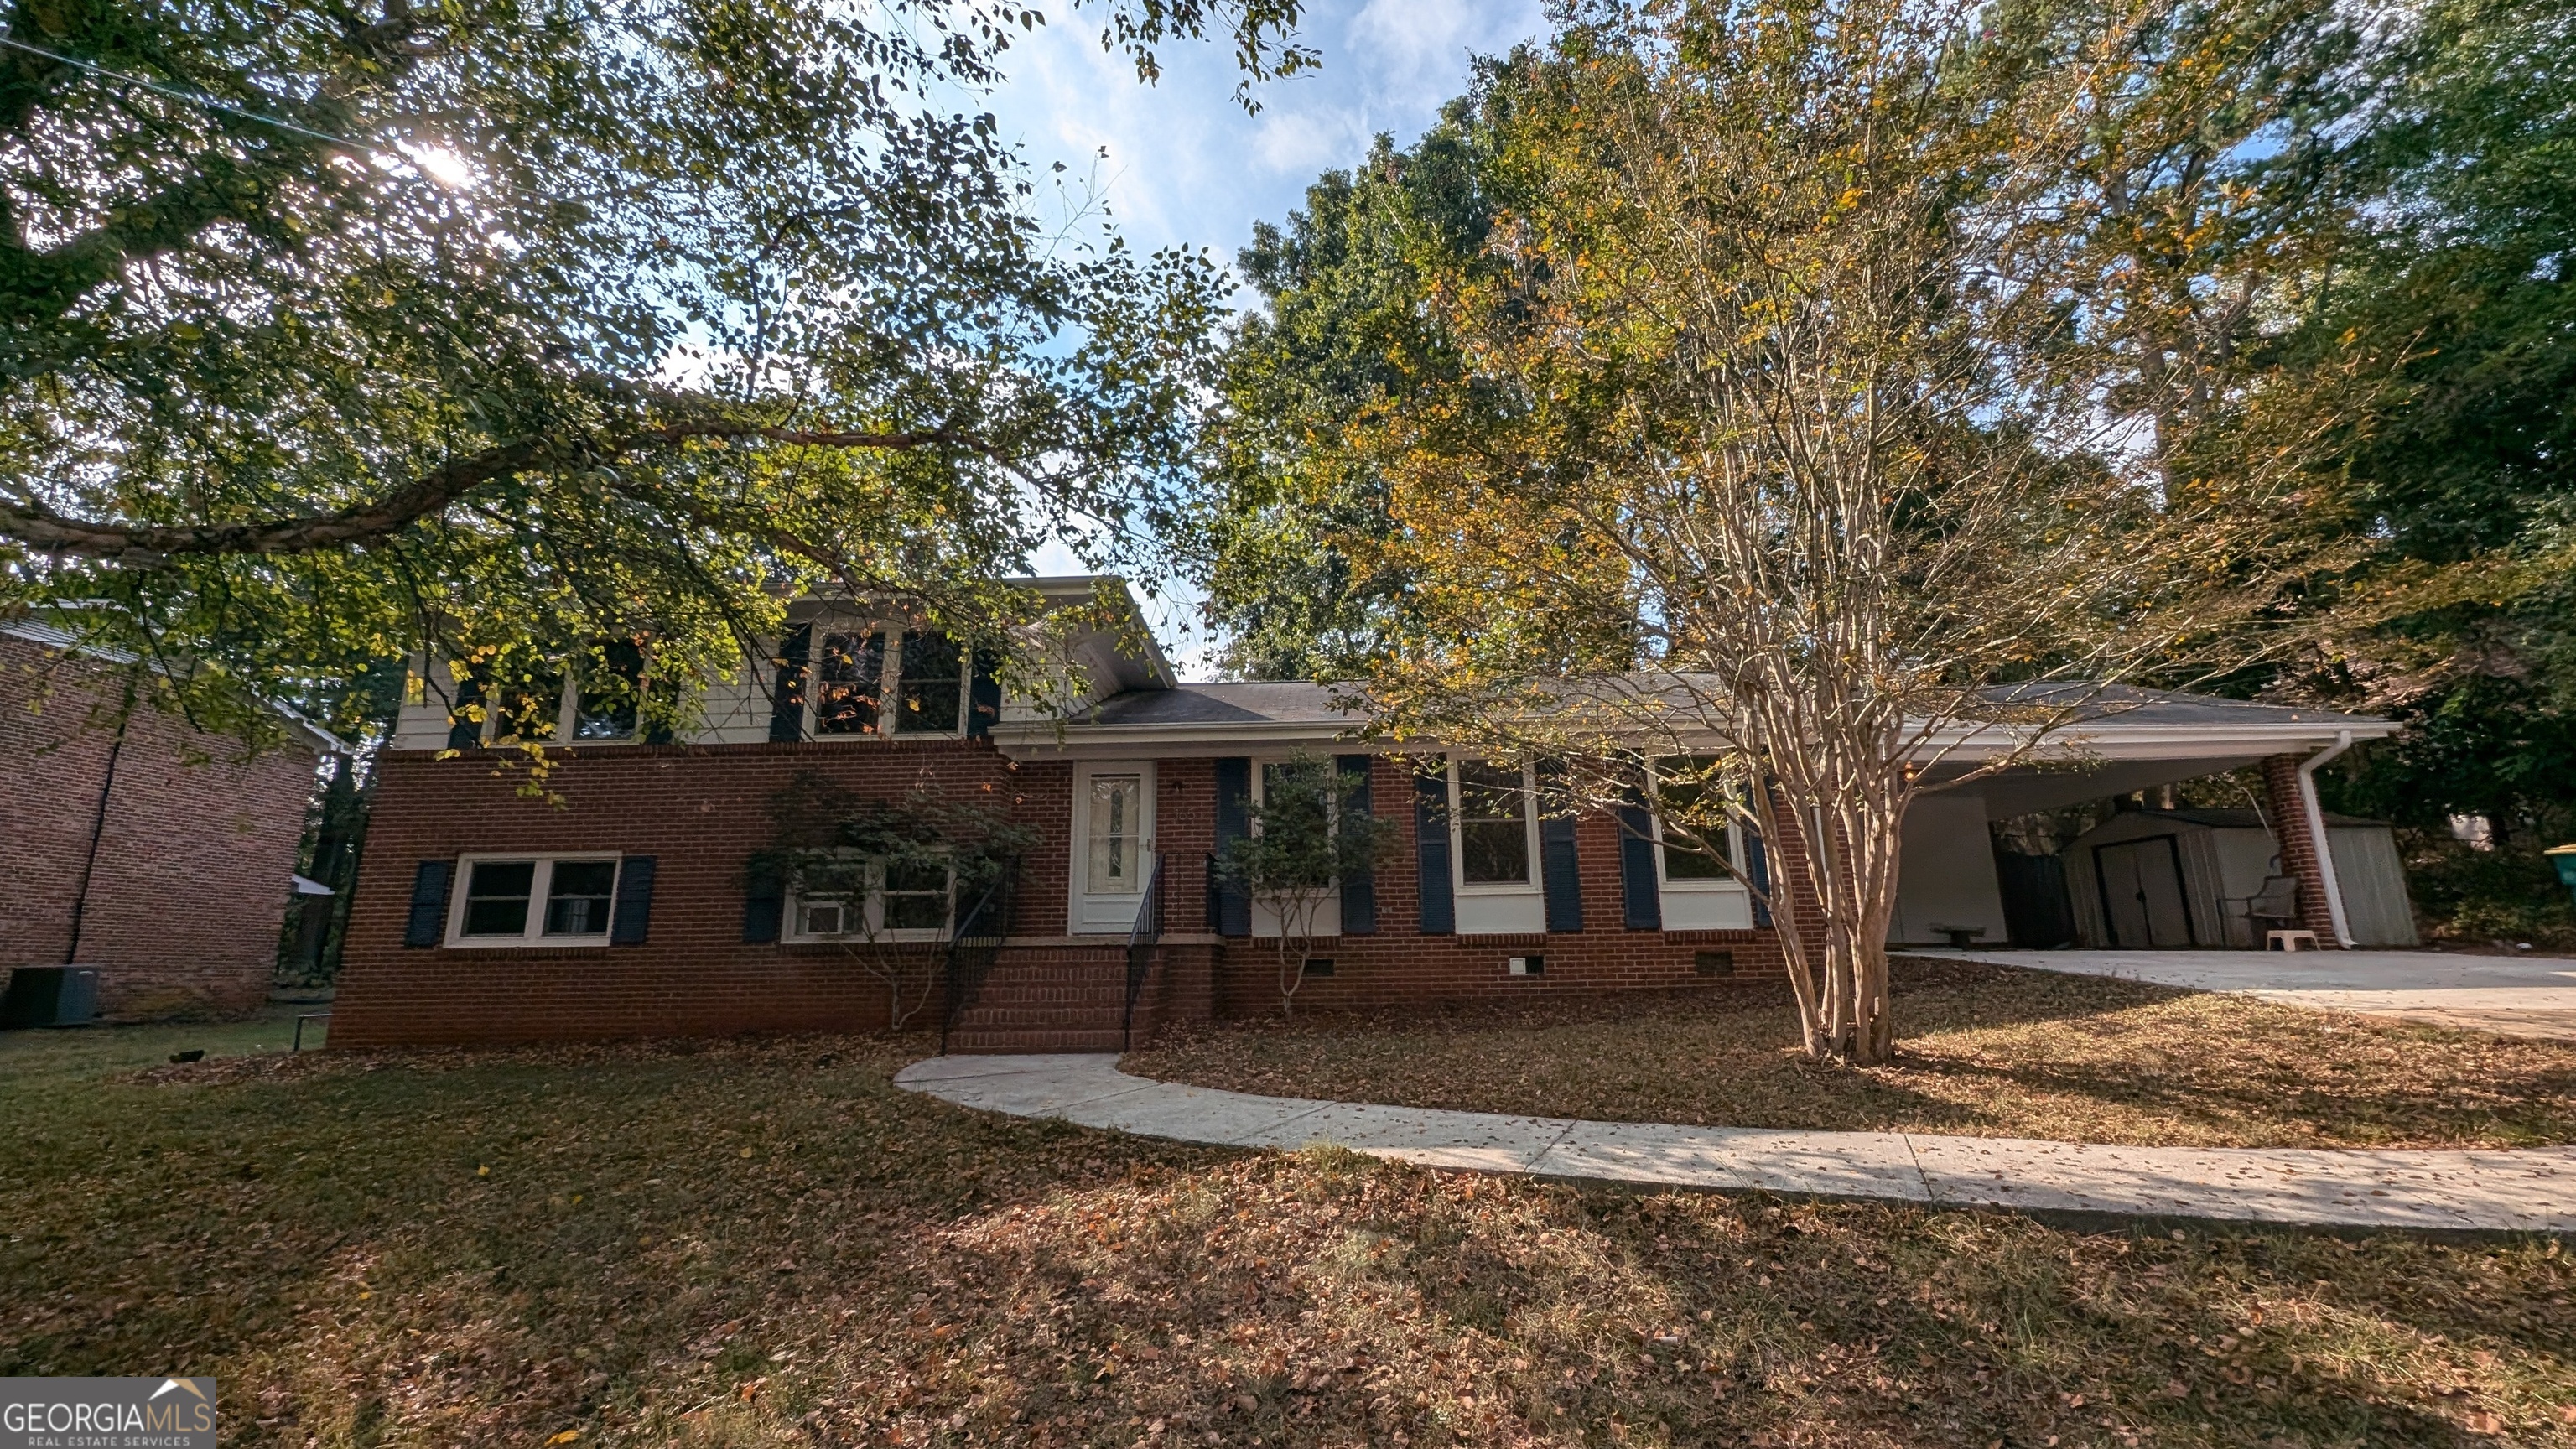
(2177,879)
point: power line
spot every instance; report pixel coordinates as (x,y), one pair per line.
(196,98)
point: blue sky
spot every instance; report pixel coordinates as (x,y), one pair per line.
(1184,165)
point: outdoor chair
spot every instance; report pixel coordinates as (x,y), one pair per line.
(2273,908)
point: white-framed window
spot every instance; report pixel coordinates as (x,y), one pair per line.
(532,900)
(1113,845)
(1493,848)
(1266,912)
(871,680)
(903,901)
(1696,877)
(1493,826)
(596,701)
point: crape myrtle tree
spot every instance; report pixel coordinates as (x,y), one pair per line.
(1305,835)
(886,881)
(555,333)
(1812,424)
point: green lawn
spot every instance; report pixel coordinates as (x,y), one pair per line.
(1988,1051)
(766,1243)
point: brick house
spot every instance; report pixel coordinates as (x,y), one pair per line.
(624,906)
(137,843)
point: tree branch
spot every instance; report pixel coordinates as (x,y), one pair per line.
(146,543)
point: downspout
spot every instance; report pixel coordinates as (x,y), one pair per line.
(98,824)
(2317,832)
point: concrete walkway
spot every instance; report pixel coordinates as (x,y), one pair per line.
(2526,1190)
(2531,996)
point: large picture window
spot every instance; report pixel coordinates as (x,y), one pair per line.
(534,901)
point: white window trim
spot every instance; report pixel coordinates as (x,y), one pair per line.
(889,683)
(1079,848)
(1267,920)
(872,910)
(1726,883)
(1458,882)
(567,717)
(532,933)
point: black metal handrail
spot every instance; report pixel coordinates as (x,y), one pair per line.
(1141,940)
(975,946)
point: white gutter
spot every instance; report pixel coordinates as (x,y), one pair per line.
(2317,832)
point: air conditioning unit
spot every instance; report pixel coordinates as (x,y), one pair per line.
(50,996)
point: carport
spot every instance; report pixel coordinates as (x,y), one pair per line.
(1951,887)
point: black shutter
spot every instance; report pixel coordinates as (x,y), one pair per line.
(787,694)
(764,905)
(464,731)
(427,925)
(984,695)
(1359,889)
(1757,869)
(1560,873)
(1641,894)
(1233,822)
(632,916)
(1431,854)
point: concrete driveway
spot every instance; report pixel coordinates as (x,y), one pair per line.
(2507,995)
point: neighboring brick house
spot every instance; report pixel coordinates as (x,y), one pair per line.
(136,843)
(622,905)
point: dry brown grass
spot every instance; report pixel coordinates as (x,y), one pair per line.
(1987,1051)
(767,1243)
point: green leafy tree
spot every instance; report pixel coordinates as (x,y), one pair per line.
(525,331)
(1307,835)
(2453,467)
(1796,419)
(1345,328)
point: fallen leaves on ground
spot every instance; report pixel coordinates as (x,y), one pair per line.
(1982,1050)
(886,1269)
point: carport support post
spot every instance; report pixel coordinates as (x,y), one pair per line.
(2290,793)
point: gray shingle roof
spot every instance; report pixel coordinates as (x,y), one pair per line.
(1304,703)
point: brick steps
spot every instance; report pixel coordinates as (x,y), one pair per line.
(1034,1040)
(1047,1006)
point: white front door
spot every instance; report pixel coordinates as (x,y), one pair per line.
(1113,845)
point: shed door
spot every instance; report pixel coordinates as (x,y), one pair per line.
(2142,893)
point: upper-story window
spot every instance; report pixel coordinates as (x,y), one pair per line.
(872,681)
(610,690)
(597,700)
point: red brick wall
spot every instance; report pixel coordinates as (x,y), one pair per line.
(192,876)
(702,810)
(1398,966)
(2299,845)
